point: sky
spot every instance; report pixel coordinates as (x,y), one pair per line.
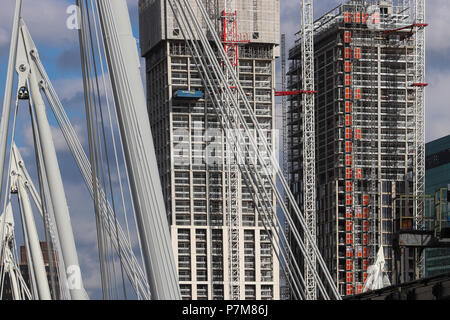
(59,51)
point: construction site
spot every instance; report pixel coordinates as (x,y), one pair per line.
(369,68)
(189,157)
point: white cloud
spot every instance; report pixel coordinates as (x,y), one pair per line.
(46,20)
(58,139)
(68,88)
(438,106)
(4,41)
(438,37)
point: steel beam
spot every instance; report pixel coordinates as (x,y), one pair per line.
(130,102)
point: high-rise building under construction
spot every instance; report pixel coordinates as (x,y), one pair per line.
(216,259)
(369,69)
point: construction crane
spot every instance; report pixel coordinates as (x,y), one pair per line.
(420,85)
(309,136)
(309,142)
(231,47)
(260,182)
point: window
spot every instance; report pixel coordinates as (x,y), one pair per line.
(348,66)
(266,276)
(365,265)
(348,93)
(348,133)
(348,160)
(349,277)
(348,146)
(218,292)
(349,265)
(348,120)
(386,200)
(349,186)
(358,94)
(349,252)
(366,226)
(202,275)
(348,174)
(357,53)
(358,212)
(359,173)
(366,200)
(387,226)
(349,241)
(387,213)
(348,80)
(347,17)
(266,292)
(250,275)
(347,36)
(184,275)
(250,292)
(358,134)
(202,292)
(358,288)
(365,17)
(349,290)
(349,200)
(348,53)
(365,213)
(357,17)
(349,214)
(348,107)
(349,226)
(365,240)
(186,291)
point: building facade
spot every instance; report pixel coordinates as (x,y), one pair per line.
(437,261)
(50,263)
(365,133)
(182,117)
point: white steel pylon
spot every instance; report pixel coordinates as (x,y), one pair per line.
(28,75)
(19,289)
(8,263)
(150,210)
(309,141)
(18,182)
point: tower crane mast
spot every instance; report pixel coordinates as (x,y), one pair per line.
(309,143)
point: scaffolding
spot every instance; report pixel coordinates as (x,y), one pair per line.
(369,130)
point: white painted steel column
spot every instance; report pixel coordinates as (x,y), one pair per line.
(6,113)
(130,102)
(56,187)
(37,258)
